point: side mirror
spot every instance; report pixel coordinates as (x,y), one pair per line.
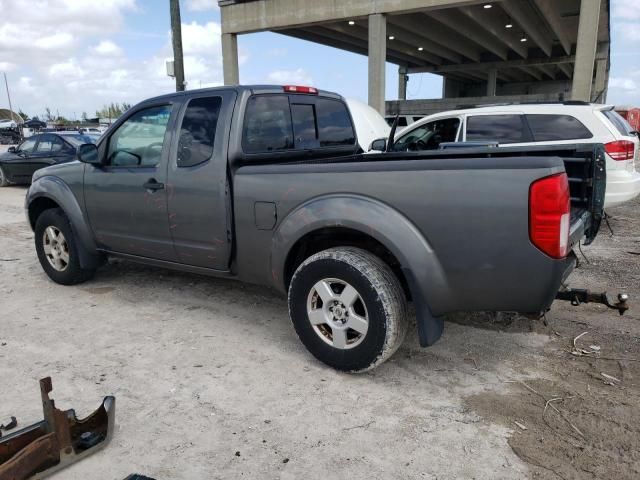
(12,150)
(378,145)
(88,153)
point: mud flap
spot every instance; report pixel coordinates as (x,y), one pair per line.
(430,328)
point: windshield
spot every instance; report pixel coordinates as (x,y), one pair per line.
(77,140)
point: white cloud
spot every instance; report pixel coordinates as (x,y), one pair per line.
(298,76)
(630,31)
(68,70)
(76,58)
(7,66)
(626,9)
(107,48)
(201,5)
(201,38)
(623,83)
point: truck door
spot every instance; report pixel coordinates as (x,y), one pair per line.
(126,198)
(198,193)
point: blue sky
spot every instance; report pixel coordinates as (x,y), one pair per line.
(84,54)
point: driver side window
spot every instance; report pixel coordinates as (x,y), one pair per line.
(27,145)
(138,141)
(429,136)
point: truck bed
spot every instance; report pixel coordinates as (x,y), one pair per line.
(471,207)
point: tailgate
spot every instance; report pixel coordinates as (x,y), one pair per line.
(586,169)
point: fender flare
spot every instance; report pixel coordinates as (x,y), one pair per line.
(420,265)
(56,190)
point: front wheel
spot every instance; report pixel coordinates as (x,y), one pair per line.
(57,249)
(348,308)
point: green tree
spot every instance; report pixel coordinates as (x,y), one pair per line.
(24,116)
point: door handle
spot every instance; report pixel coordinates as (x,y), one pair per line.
(153,184)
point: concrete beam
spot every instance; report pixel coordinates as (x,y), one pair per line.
(459,22)
(434,31)
(397,45)
(566,69)
(532,71)
(318,35)
(586,50)
(522,13)
(230,69)
(414,41)
(403,78)
(551,15)
(263,15)
(494,25)
(600,86)
(487,65)
(548,71)
(377,59)
(491,82)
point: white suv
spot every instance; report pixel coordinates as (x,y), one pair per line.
(538,124)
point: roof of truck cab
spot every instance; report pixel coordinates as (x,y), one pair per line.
(256,89)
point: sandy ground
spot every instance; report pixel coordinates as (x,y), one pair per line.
(211,381)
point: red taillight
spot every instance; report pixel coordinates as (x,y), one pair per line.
(299,89)
(549,215)
(620,149)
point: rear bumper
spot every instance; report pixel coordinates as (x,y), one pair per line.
(622,186)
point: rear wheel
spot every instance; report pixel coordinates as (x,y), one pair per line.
(58,250)
(348,308)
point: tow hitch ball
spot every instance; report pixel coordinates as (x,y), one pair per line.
(579,295)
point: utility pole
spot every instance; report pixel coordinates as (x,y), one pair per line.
(6,84)
(176,36)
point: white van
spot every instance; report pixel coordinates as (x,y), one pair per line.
(538,124)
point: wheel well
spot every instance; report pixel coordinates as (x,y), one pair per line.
(330,237)
(38,206)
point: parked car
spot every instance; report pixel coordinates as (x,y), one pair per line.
(265,185)
(6,123)
(18,163)
(537,124)
(35,124)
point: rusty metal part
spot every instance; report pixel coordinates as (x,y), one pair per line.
(578,295)
(41,449)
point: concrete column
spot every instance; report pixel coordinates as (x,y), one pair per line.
(231,72)
(600,94)
(377,59)
(586,50)
(403,78)
(492,77)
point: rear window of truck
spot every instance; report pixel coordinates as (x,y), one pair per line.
(547,128)
(276,122)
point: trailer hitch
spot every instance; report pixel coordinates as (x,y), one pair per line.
(580,295)
(49,445)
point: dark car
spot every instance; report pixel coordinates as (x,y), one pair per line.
(39,151)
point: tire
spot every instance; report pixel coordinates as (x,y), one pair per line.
(3,178)
(57,249)
(323,308)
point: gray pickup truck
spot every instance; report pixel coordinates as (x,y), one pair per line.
(268,185)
